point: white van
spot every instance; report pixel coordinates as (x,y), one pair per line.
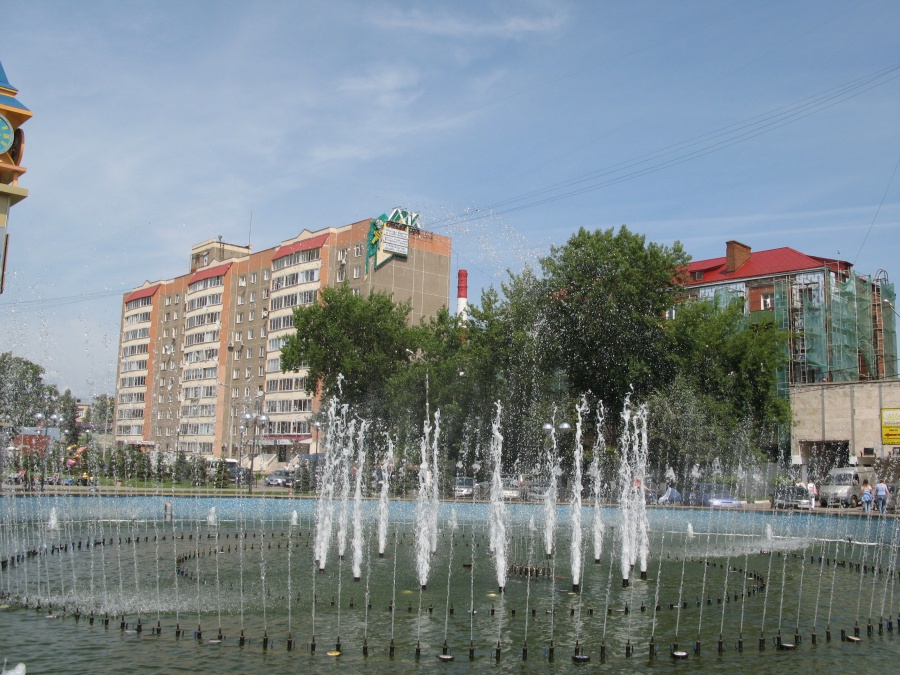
(841,486)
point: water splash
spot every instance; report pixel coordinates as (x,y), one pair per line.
(575,538)
(387,466)
(497,520)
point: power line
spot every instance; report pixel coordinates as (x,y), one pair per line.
(684,151)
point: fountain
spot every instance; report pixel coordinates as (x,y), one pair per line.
(254,574)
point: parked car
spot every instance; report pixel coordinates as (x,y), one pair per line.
(841,486)
(463,487)
(712,494)
(536,490)
(792,497)
(510,488)
(278,478)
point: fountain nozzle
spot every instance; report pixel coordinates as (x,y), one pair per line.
(625,582)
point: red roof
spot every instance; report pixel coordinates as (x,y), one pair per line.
(773,262)
(304,245)
(217,271)
(142,293)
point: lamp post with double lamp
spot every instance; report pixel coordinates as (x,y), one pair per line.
(45,446)
(252,422)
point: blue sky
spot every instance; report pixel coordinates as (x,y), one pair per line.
(158,125)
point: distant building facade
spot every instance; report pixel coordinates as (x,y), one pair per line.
(842,326)
(199,351)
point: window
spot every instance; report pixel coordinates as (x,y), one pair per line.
(265,275)
(239,336)
(251,315)
(357,271)
(240,317)
(274,365)
(356,292)
(168,300)
(242,280)
(253,278)
(235,374)
(670,314)
(767,301)
(250,332)
(240,299)
(342,255)
(357,250)
(252,296)
(248,373)
(341,274)
(165,332)
(697,276)
(246,392)
(262,371)
(265,293)
(167,316)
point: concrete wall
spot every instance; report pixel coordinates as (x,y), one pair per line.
(849,412)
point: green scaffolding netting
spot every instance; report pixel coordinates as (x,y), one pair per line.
(889,323)
(783,320)
(814,333)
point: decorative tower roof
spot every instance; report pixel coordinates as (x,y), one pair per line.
(9,105)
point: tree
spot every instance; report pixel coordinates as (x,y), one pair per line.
(731,359)
(67,408)
(101,414)
(362,340)
(23,393)
(606,295)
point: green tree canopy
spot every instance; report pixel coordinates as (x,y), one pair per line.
(365,340)
(23,393)
(607,293)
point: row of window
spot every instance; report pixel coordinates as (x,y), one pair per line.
(200,374)
(296,259)
(281,322)
(203,319)
(200,338)
(196,429)
(203,284)
(289,405)
(294,299)
(129,429)
(140,302)
(288,427)
(136,334)
(133,381)
(342,273)
(204,391)
(286,384)
(198,410)
(203,301)
(130,413)
(131,397)
(140,317)
(132,350)
(295,278)
(208,354)
(131,366)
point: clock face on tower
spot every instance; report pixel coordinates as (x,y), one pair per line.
(6,134)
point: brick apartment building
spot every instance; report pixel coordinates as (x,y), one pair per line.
(199,351)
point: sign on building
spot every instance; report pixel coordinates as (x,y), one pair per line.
(890,426)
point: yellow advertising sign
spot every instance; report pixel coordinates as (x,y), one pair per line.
(890,426)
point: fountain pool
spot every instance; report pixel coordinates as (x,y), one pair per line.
(202,583)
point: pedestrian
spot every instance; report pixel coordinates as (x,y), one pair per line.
(813,494)
(865,496)
(881,495)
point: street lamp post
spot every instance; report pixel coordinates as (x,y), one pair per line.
(254,421)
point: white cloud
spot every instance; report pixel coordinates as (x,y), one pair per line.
(442,23)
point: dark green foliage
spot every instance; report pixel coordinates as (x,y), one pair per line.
(606,297)
(364,340)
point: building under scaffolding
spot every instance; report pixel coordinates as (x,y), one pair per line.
(842,325)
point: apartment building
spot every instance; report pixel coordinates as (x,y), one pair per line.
(842,325)
(200,351)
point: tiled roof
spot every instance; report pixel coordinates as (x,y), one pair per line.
(216,271)
(142,293)
(303,245)
(773,262)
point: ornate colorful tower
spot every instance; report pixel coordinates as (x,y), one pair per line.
(12,145)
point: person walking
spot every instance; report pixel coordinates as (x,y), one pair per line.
(865,496)
(813,494)
(881,495)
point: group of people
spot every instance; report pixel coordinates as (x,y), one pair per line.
(878,494)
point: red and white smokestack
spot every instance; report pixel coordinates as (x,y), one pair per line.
(462,295)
